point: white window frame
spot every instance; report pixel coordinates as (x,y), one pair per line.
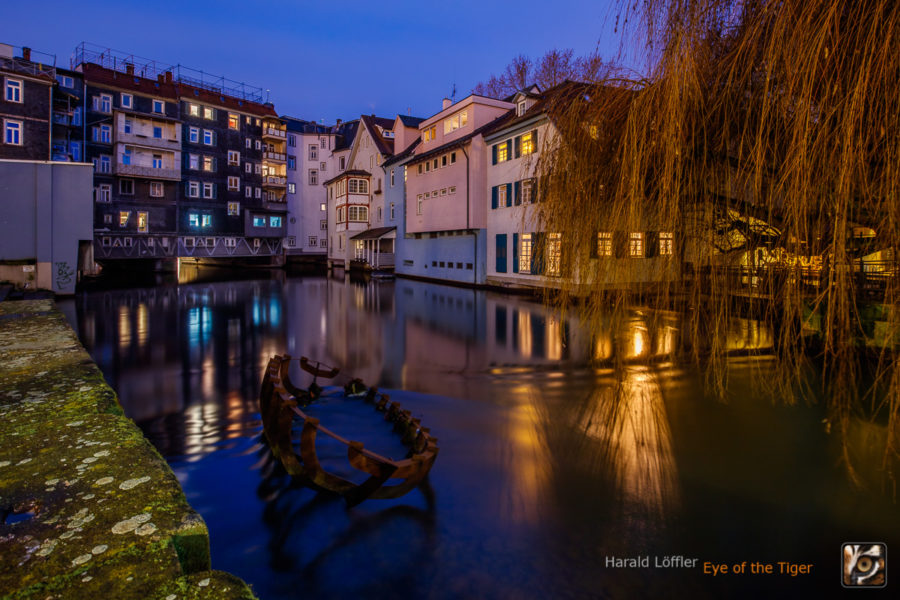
(209,190)
(194,135)
(193,189)
(636,244)
(159,106)
(604,244)
(193,109)
(234,158)
(234,183)
(313,177)
(104,193)
(157,189)
(15,127)
(234,209)
(209,134)
(126,100)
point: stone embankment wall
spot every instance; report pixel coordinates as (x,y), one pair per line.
(88,508)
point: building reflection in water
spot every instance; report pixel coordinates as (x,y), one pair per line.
(557,447)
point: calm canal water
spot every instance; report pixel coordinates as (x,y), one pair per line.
(545,473)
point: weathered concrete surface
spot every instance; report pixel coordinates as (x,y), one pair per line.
(88,508)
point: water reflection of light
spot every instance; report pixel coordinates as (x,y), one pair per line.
(274,311)
(524,327)
(665,340)
(554,338)
(603,346)
(527,458)
(634,437)
(143,324)
(124,327)
(199,326)
(748,334)
(638,340)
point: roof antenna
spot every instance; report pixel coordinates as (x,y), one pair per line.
(453,93)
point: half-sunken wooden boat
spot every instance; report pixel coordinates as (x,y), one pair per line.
(281,403)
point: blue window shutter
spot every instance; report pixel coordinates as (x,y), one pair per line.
(534,139)
(494,154)
(515,256)
(494,195)
(518,193)
(501,253)
(509,194)
(518,146)
(214,191)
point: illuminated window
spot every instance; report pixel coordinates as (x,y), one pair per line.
(274,221)
(205,220)
(665,243)
(259,221)
(527,143)
(501,196)
(457,121)
(234,209)
(636,245)
(194,110)
(604,243)
(142,222)
(554,253)
(525,253)
(209,163)
(123,217)
(194,162)
(429,134)
(234,121)
(209,113)
(502,152)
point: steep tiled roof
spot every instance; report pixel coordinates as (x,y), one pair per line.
(346,133)
(384,145)
(410,121)
(400,156)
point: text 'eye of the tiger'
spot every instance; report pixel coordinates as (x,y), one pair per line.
(864,564)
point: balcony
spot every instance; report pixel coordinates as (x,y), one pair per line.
(274,133)
(137,139)
(278,156)
(274,181)
(148,172)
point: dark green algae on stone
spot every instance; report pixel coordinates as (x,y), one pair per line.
(89,508)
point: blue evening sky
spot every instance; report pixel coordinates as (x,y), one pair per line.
(326,59)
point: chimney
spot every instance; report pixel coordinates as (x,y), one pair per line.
(26,53)
(447,103)
(160,78)
(339,121)
(168,76)
(129,68)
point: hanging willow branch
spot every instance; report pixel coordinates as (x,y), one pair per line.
(768,135)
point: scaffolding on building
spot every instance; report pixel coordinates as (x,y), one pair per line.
(26,61)
(86,53)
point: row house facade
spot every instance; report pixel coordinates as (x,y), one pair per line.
(445,201)
(520,252)
(182,168)
(26,103)
(311,161)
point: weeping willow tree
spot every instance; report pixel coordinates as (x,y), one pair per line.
(766,141)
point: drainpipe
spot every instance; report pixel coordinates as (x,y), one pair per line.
(475,238)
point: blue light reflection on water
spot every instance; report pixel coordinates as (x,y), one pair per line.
(543,471)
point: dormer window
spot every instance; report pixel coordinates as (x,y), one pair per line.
(520,108)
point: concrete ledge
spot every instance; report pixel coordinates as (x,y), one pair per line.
(88,508)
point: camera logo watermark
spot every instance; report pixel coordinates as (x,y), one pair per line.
(864,565)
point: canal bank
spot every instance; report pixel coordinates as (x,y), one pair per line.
(88,508)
